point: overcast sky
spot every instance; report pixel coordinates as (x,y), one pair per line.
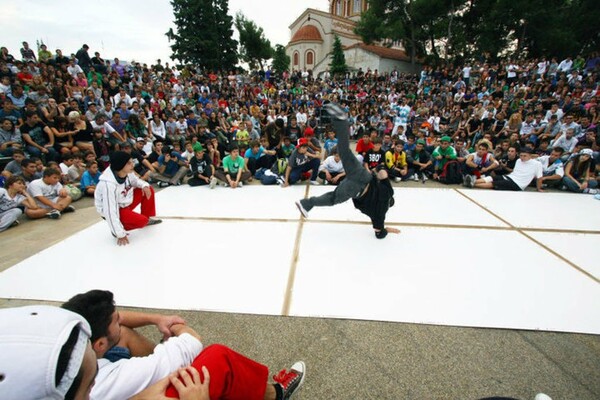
(128,29)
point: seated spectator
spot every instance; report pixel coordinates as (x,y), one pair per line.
(171,168)
(420,163)
(232,375)
(330,142)
(50,196)
(567,141)
(234,171)
(10,138)
(526,170)
(12,198)
(257,157)
(90,179)
(442,154)
(201,168)
(479,164)
(14,166)
(38,138)
(363,145)
(553,171)
(301,161)
(579,173)
(331,170)
(395,162)
(507,162)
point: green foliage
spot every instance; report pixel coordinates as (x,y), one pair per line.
(203,34)
(254,47)
(468,28)
(281,61)
(338,60)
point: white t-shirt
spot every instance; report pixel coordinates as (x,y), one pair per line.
(127,377)
(39,188)
(7,202)
(330,165)
(524,172)
(466,72)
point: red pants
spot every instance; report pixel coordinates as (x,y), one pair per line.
(132,220)
(232,376)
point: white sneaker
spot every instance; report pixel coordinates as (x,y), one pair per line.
(240,185)
(224,184)
(212,183)
(397,179)
(280,181)
(425,178)
(325,182)
(416,177)
(315,182)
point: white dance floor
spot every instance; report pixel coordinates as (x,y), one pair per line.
(464,258)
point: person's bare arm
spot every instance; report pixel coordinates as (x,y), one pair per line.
(132,319)
(180,329)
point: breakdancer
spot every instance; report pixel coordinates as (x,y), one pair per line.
(371,193)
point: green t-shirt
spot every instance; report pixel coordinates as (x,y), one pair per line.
(233,166)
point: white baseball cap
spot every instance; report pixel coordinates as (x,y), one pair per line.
(31,339)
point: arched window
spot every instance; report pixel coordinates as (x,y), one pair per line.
(346,8)
(310,57)
(357,9)
(296,59)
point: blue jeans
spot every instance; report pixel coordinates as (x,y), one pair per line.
(33,151)
(296,173)
(573,187)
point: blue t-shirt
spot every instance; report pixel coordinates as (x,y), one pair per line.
(172,166)
(88,179)
(250,154)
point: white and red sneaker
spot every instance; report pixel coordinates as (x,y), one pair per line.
(290,381)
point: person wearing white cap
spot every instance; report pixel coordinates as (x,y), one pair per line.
(232,375)
(45,353)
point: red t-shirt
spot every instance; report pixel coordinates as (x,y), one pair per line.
(362,148)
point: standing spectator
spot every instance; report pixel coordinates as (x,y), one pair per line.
(27,54)
(83,58)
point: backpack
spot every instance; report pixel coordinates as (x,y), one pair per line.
(451,173)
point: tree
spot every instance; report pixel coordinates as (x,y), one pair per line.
(281,61)
(254,47)
(338,60)
(203,34)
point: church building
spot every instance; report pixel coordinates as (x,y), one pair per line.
(314,31)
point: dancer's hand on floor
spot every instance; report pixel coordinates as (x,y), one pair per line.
(392,230)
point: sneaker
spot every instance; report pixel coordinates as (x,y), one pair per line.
(325,182)
(290,382)
(315,182)
(154,221)
(336,112)
(162,184)
(302,209)
(69,209)
(54,214)
(470,181)
(397,179)
(224,184)
(213,182)
(424,178)
(280,181)
(465,180)
(241,184)
(15,223)
(591,191)
(415,177)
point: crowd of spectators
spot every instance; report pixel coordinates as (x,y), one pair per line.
(478,124)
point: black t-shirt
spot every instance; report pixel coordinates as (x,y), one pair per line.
(374,158)
(36,132)
(376,201)
(153,157)
(200,166)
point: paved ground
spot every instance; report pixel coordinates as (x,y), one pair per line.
(372,360)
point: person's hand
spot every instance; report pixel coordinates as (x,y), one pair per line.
(439,157)
(584,185)
(124,241)
(285,184)
(147,192)
(44,150)
(167,157)
(165,322)
(233,184)
(393,230)
(190,386)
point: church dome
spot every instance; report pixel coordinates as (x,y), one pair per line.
(307,33)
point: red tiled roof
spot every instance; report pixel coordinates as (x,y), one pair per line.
(307,33)
(384,52)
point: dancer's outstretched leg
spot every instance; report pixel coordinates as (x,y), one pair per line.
(357,177)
